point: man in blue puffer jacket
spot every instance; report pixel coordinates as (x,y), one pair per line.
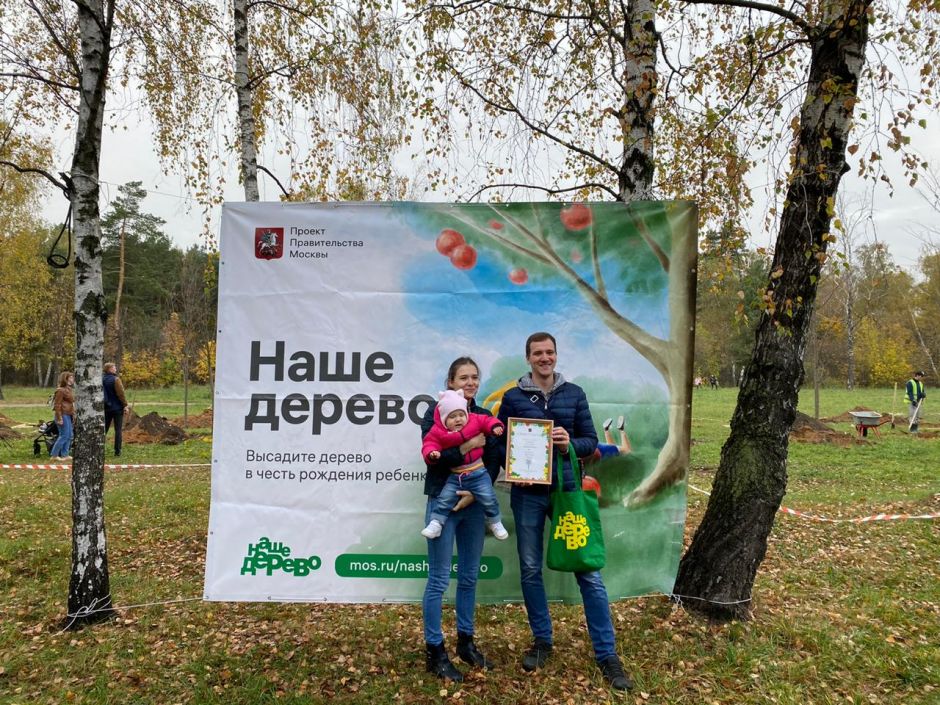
(544,394)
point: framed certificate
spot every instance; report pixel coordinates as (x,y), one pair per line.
(529,450)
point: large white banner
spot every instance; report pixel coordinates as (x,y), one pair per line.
(336,326)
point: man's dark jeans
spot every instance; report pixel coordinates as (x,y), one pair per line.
(118,418)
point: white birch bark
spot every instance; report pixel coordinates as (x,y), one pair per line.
(89,586)
(243,90)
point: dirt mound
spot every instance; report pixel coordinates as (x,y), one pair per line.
(130,419)
(808,430)
(6,420)
(154,428)
(203,420)
(8,434)
(846,417)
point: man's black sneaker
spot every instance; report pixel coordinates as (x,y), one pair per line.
(536,655)
(613,672)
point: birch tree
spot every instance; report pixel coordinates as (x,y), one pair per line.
(313,86)
(58,59)
(719,567)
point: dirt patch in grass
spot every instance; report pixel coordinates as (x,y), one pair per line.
(806,429)
(8,434)
(203,420)
(6,420)
(153,428)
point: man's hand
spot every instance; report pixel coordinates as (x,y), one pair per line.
(560,438)
(466,499)
(434,456)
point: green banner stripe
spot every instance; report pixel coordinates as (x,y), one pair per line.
(400,565)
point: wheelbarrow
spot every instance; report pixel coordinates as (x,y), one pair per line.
(865,420)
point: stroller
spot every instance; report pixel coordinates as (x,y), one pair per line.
(48,434)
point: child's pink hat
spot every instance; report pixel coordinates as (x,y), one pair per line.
(449,402)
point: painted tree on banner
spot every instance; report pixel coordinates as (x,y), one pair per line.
(552,250)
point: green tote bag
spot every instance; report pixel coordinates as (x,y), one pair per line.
(576,542)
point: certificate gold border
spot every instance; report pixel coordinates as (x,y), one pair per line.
(511,424)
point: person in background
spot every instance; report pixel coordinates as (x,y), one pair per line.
(63,406)
(915,399)
(114,403)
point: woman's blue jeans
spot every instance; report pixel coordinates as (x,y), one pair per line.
(530,512)
(64,442)
(466,528)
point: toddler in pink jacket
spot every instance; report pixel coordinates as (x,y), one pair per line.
(452,427)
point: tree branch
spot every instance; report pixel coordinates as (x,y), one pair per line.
(531,125)
(69,57)
(33,77)
(28,170)
(550,191)
(503,240)
(596,263)
(653,245)
(268,172)
(649,346)
(462,8)
(763,7)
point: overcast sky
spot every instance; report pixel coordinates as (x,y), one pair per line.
(128,155)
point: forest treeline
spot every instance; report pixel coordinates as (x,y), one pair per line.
(161,301)
(874,321)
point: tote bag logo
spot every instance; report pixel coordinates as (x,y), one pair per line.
(269,243)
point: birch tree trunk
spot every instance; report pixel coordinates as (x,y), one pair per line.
(118,327)
(246,118)
(89,598)
(718,570)
(635,180)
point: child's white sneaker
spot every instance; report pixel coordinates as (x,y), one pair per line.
(433,529)
(499,531)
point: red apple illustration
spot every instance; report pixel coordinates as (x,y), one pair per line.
(519,276)
(463,256)
(577,216)
(495,225)
(589,484)
(448,241)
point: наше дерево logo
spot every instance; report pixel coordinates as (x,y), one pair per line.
(268,557)
(269,243)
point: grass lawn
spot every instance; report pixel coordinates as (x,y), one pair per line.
(843,613)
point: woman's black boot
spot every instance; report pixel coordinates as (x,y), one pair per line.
(469,653)
(439,664)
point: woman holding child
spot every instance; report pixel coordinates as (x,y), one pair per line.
(465,525)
